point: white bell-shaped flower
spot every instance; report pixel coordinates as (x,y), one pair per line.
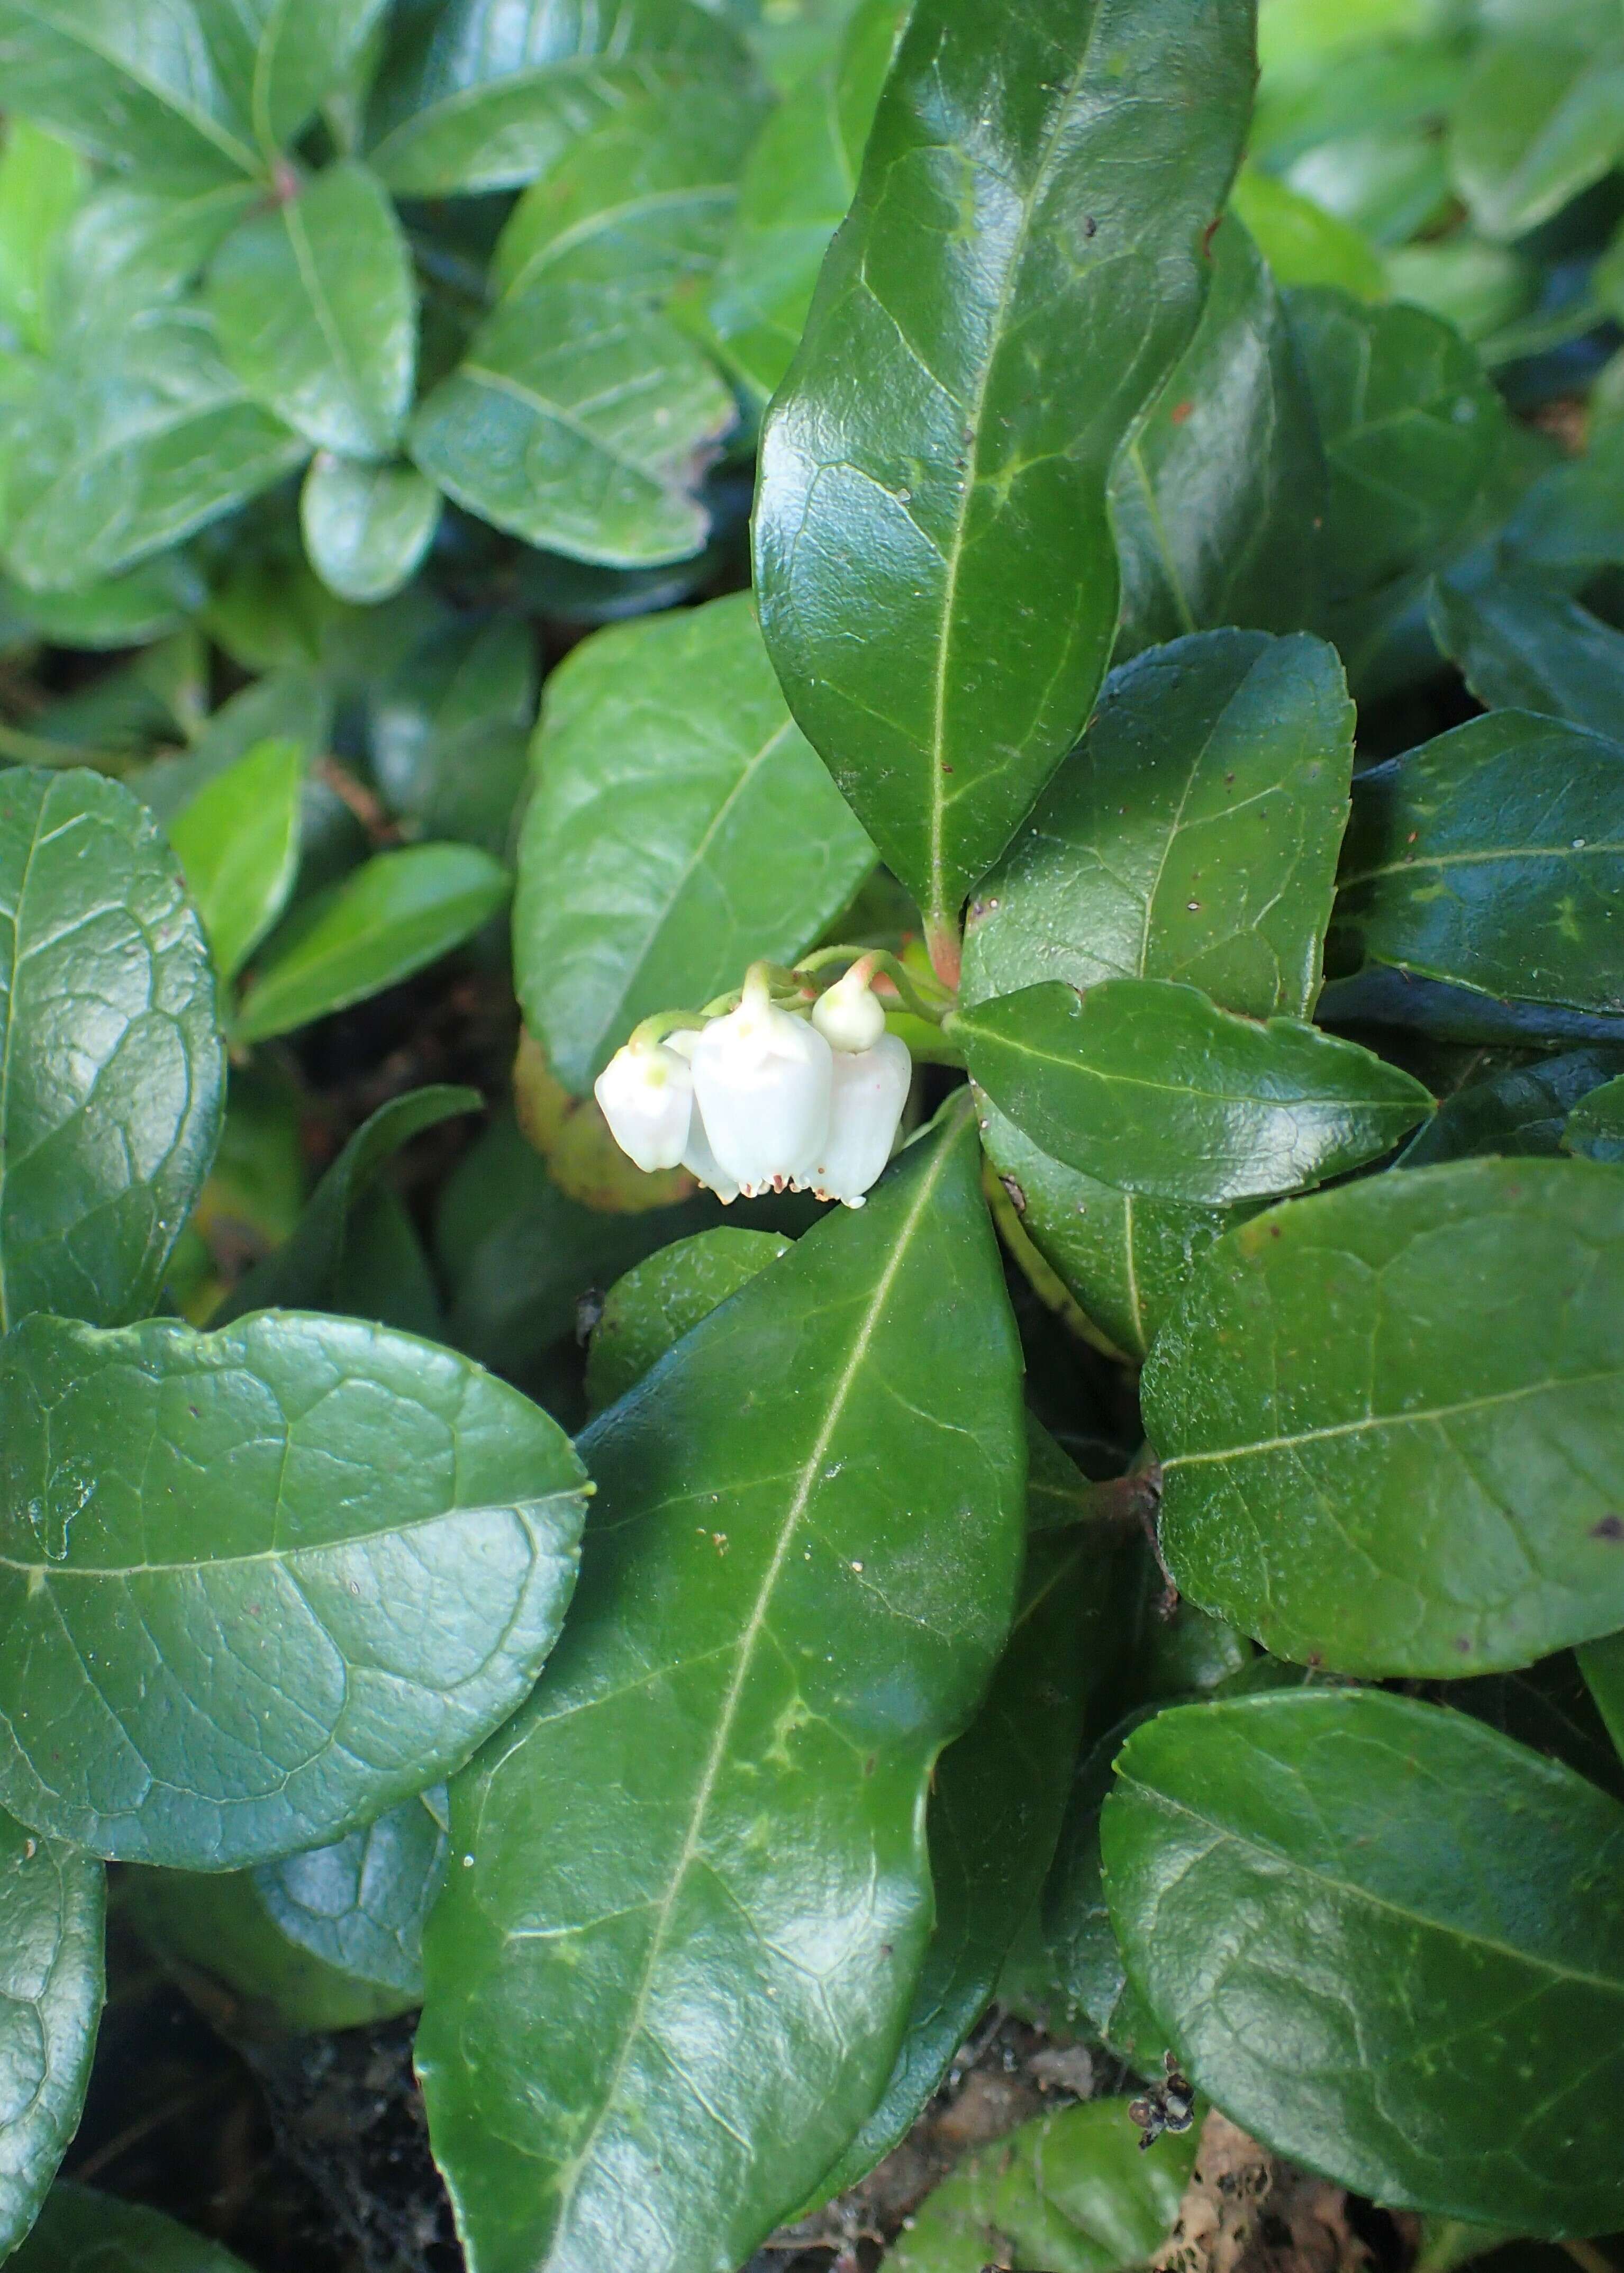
(869,1090)
(762,1079)
(848,1016)
(646,1092)
(698,1158)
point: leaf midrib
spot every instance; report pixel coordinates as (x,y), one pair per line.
(206,129)
(1331,1099)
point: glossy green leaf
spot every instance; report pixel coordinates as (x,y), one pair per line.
(113,1074)
(51,1904)
(639,204)
(1596,1126)
(682,826)
(658,1301)
(133,86)
(280,57)
(1019,274)
(366,527)
(1298,1883)
(300,1275)
(1539,119)
(1410,428)
(800,179)
(330,1938)
(1218,501)
(315,311)
(1519,1111)
(1192,834)
(1601,1664)
(78,2230)
(699,1959)
(477,97)
(1492,857)
(135,245)
(1407,1463)
(237,842)
(1521,646)
(391,916)
(1070,2193)
(262,1583)
(285,706)
(42,183)
(581,423)
(1303,244)
(1147,1084)
(129,450)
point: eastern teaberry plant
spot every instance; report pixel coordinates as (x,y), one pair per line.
(1153,1557)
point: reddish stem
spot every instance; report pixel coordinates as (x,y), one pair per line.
(944,947)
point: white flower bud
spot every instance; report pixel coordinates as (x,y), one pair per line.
(646,1092)
(869,1090)
(762,1080)
(848,1016)
(698,1158)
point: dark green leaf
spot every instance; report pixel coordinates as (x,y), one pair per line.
(114,1076)
(237,842)
(480,97)
(1492,857)
(366,527)
(51,1904)
(1549,1707)
(1521,1110)
(315,311)
(1596,1126)
(330,1938)
(300,1275)
(658,1301)
(285,706)
(1540,119)
(78,2230)
(1521,646)
(1070,2193)
(1020,272)
(1571,522)
(263,1584)
(383,1273)
(805,1557)
(1219,500)
(1601,1664)
(128,450)
(580,422)
(1410,428)
(118,611)
(682,826)
(1407,1462)
(1299,1885)
(1146,1084)
(398,912)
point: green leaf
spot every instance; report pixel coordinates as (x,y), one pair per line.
(134,245)
(580,424)
(133,87)
(1601,1664)
(1571,521)
(1492,857)
(301,1274)
(315,309)
(78,2230)
(639,203)
(51,1985)
(1595,1127)
(126,451)
(1070,2193)
(237,842)
(1147,1084)
(681,828)
(1406,1464)
(285,706)
(330,1938)
(397,912)
(795,187)
(1303,244)
(280,57)
(1411,427)
(143,605)
(792,1596)
(1366,1923)
(366,528)
(1477,287)
(1219,500)
(1521,646)
(41,183)
(1019,274)
(658,1301)
(1539,119)
(1520,1111)
(476,98)
(449,729)
(112,1076)
(263,1584)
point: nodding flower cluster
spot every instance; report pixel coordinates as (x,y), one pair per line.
(764,1099)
